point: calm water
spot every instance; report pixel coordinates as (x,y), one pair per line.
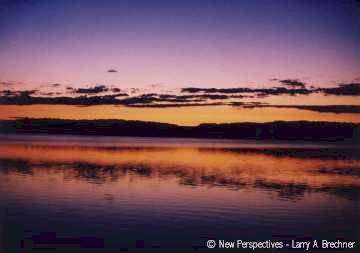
(172,195)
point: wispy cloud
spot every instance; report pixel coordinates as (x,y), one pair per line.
(293,83)
(260,92)
(316,108)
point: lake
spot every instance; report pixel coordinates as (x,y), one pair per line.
(124,194)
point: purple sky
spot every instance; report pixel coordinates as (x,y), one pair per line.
(178,43)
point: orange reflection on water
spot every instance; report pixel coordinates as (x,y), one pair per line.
(194,165)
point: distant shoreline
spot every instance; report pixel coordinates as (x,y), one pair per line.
(277,130)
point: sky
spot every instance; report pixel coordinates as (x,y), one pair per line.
(178,43)
(143,46)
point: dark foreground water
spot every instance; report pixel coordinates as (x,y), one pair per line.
(70,194)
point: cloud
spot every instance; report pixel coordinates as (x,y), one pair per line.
(50,93)
(248,104)
(8,93)
(165,105)
(330,108)
(150,99)
(159,99)
(119,95)
(116,90)
(343,89)
(293,83)
(26,97)
(81,100)
(282,91)
(316,108)
(112,71)
(216,90)
(214,96)
(18,93)
(92,90)
(298,88)
(189,96)
(155,99)
(296,83)
(262,92)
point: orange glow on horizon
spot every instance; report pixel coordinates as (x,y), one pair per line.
(175,115)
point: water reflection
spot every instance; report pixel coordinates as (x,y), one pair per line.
(207,192)
(284,171)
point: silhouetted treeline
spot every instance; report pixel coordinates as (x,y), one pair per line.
(278,130)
